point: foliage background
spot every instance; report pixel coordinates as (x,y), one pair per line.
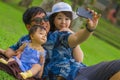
(95,50)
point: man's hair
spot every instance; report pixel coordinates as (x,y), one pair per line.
(31,12)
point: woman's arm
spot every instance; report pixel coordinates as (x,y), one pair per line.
(83,34)
(77,51)
(78,54)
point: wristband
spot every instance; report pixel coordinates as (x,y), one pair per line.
(90,30)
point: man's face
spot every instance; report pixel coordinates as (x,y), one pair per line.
(40,19)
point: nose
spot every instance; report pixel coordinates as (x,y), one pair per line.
(63,21)
(44,37)
(46,25)
(42,22)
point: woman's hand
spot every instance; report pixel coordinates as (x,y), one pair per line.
(92,23)
(67,29)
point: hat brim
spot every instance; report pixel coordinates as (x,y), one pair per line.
(73,14)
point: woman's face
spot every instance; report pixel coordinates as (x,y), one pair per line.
(62,21)
(40,19)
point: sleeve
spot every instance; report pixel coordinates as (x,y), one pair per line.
(16,46)
(20,42)
(63,38)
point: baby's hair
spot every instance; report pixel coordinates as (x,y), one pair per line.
(34,28)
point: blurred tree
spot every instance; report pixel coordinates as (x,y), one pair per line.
(93,2)
(76,3)
(25,3)
(6,0)
(118,12)
(47,4)
(111,5)
(89,3)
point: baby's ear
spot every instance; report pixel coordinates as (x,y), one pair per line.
(31,36)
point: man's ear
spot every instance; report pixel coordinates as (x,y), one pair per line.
(28,26)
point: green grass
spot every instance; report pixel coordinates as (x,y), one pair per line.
(11,25)
(108,33)
(96,50)
(5,76)
(12,28)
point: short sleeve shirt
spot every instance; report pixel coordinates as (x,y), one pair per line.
(22,40)
(59,53)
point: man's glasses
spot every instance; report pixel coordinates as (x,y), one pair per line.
(39,20)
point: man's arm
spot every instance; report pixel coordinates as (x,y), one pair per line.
(9,52)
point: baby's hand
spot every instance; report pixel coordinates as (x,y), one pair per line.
(11,59)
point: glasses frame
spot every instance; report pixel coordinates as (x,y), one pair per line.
(39,20)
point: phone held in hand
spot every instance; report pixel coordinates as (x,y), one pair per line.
(82,12)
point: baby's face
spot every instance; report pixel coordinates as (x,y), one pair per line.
(40,36)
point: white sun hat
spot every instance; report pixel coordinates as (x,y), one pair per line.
(62,6)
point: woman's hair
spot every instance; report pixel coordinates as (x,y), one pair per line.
(52,18)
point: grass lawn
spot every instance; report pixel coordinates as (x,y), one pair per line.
(96,50)
(11,25)
(12,28)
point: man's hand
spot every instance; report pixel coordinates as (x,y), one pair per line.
(9,53)
(2,51)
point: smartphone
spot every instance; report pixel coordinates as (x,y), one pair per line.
(82,12)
